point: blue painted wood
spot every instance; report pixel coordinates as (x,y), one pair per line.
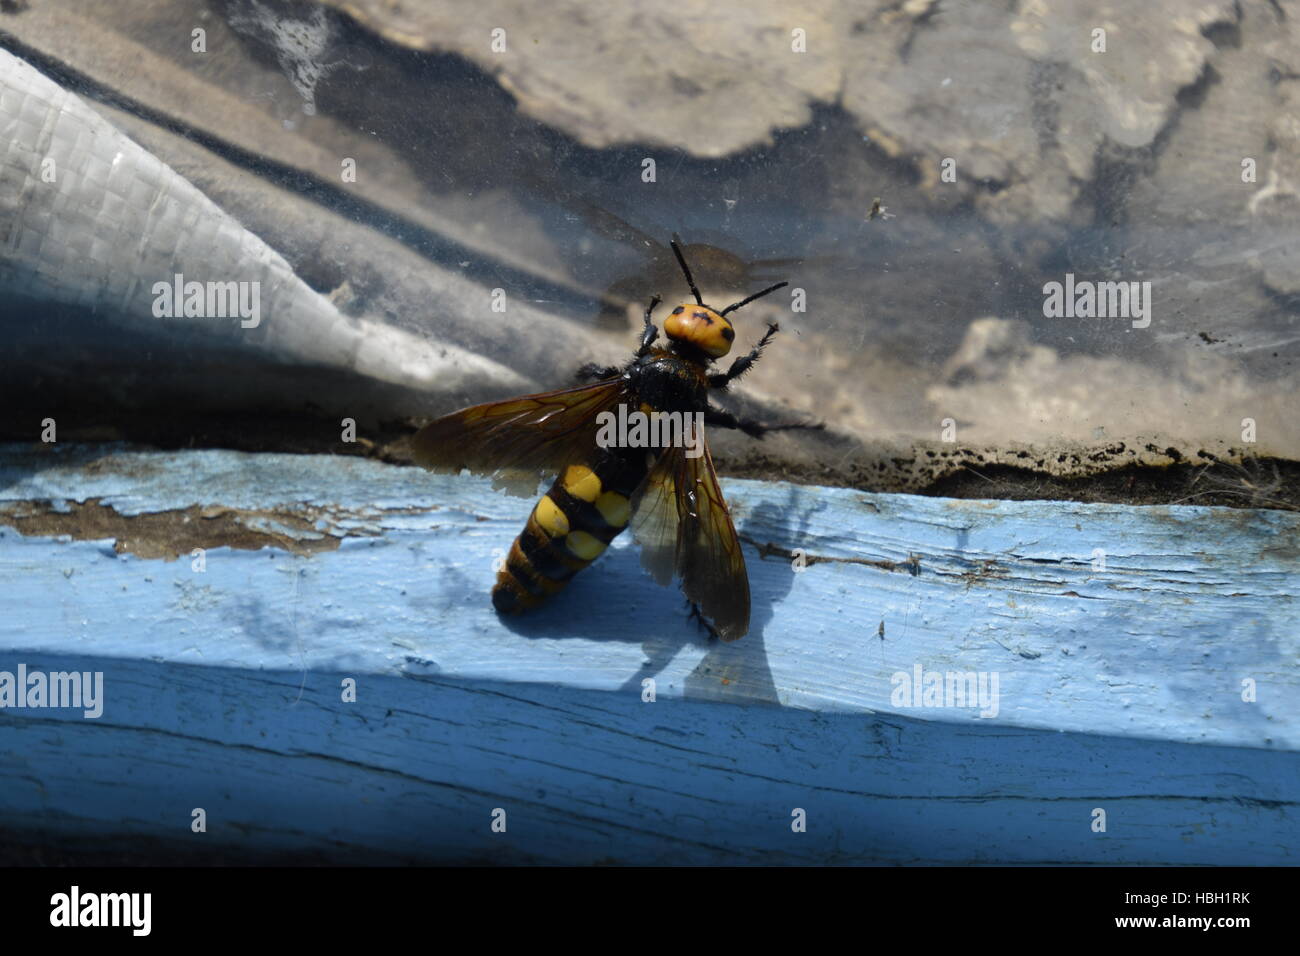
(416,767)
(1120,689)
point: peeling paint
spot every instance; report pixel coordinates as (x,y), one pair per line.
(171,533)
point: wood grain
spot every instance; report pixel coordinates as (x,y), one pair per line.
(1119,689)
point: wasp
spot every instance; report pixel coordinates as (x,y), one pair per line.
(668,494)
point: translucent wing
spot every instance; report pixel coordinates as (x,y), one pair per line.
(681,521)
(519,441)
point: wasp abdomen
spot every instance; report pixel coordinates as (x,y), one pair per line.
(584,510)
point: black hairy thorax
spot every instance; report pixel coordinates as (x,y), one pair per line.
(669,382)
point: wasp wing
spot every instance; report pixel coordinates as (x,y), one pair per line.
(520,441)
(682,524)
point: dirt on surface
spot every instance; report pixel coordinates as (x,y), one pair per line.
(172,533)
(1118,472)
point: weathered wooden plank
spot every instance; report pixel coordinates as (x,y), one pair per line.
(1118,688)
(1191,599)
(416,767)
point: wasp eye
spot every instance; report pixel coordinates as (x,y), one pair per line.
(677,311)
(728,334)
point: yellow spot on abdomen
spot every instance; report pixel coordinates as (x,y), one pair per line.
(553,521)
(613,507)
(583,545)
(581,482)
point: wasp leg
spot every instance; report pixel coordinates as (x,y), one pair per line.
(701,620)
(744,363)
(650,332)
(591,372)
(725,419)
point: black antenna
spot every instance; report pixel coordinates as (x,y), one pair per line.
(686,270)
(756,295)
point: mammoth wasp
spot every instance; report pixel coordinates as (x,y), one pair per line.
(663,485)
